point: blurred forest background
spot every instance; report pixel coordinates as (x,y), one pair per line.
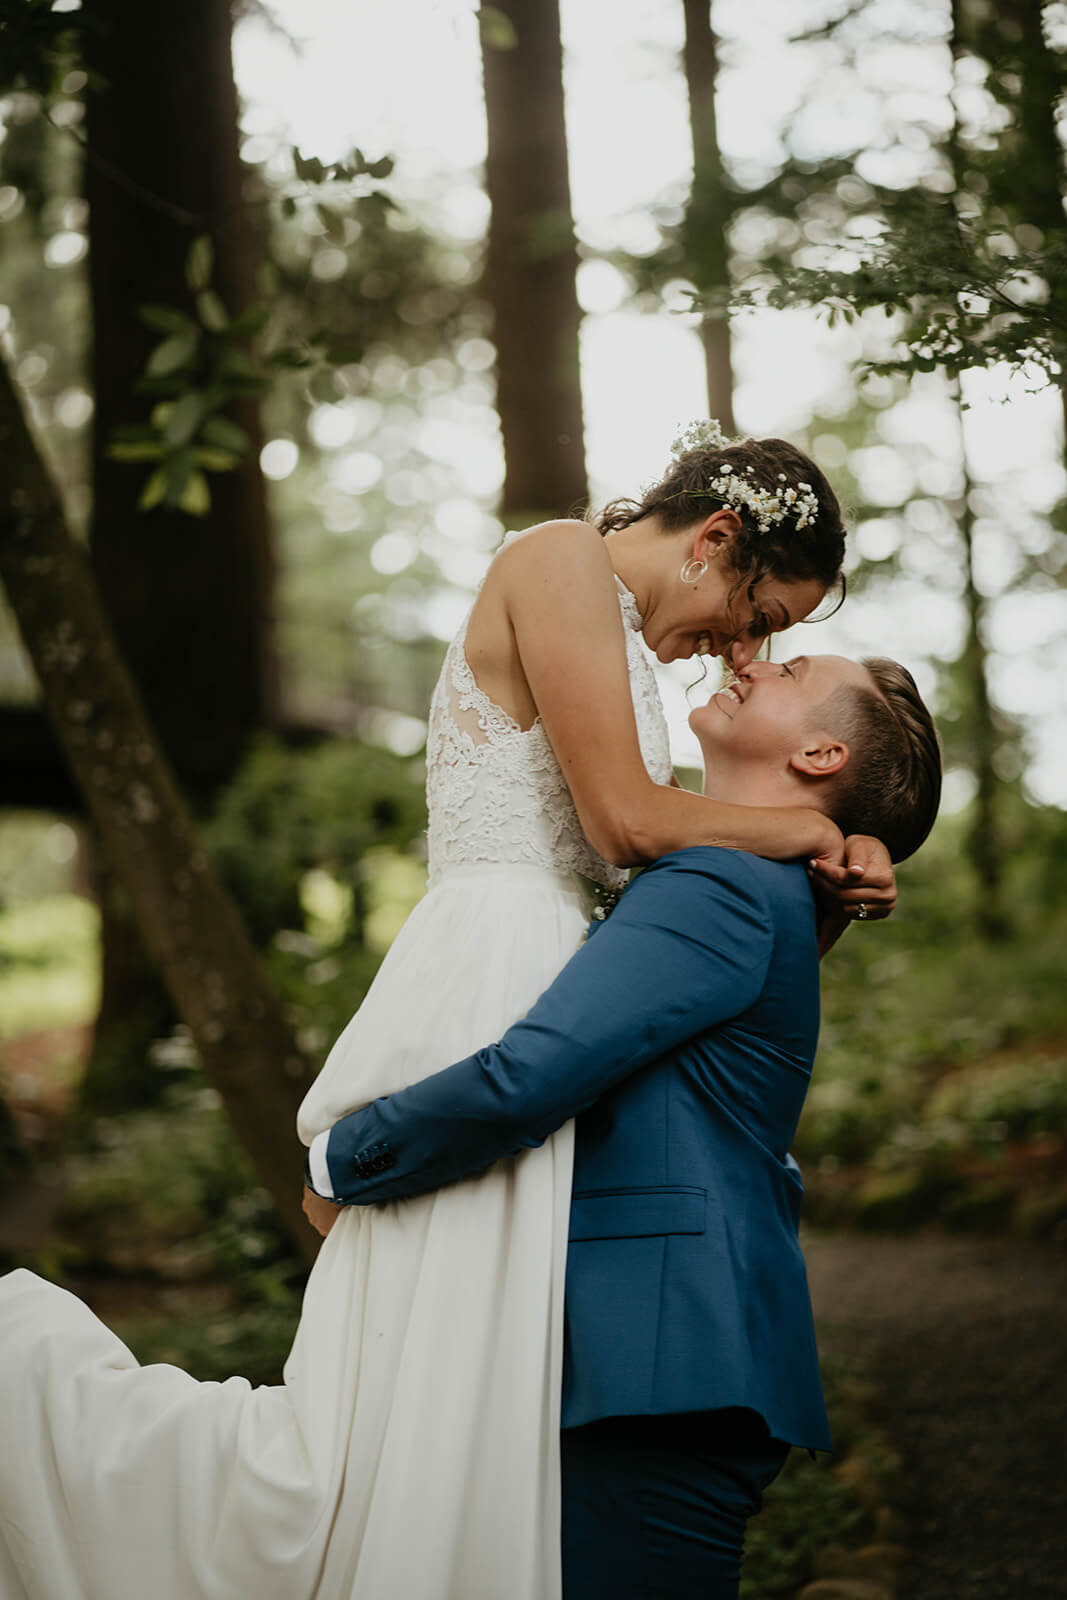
(266,412)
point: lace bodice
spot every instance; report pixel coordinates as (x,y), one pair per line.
(495,791)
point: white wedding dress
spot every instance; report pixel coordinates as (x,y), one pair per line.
(411,1451)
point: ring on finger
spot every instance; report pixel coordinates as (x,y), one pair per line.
(862,912)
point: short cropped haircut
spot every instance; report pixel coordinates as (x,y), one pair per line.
(891,785)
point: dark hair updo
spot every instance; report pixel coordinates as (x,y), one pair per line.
(783,550)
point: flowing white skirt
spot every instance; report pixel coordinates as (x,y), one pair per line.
(411,1452)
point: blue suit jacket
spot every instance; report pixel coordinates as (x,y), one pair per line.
(682,1036)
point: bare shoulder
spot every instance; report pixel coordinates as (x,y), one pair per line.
(564,551)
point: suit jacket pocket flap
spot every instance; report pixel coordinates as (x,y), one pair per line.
(636,1213)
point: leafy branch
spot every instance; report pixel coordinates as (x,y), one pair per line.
(967,291)
(206,360)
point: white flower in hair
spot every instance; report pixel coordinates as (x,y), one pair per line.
(703,434)
(735,490)
(765,505)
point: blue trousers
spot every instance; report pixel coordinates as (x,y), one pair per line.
(655,1508)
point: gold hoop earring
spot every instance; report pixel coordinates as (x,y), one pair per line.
(693,569)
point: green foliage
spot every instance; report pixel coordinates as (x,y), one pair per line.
(986,1106)
(816,1503)
(37,42)
(301,839)
(48,964)
(288,812)
(168,1196)
(806,1509)
(208,360)
(941,1074)
(968,292)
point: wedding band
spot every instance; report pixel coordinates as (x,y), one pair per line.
(861,912)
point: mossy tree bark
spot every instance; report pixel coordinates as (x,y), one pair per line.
(531,265)
(189,927)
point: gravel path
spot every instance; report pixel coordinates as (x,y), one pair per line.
(968,1339)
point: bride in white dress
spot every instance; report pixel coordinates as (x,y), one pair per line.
(411,1451)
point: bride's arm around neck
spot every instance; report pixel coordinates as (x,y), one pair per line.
(547,625)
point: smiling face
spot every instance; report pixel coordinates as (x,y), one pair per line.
(719,615)
(766,732)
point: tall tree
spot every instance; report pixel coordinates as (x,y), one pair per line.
(704,230)
(189,596)
(188,924)
(984,844)
(532,260)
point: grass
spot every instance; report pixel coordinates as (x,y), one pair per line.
(49,964)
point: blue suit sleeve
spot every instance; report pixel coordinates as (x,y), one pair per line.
(687,947)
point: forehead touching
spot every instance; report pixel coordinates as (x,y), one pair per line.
(825,683)
(786,601)
(824,674)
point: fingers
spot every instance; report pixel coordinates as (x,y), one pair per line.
(829,872)
(858,900)
(868,859)
(867,910)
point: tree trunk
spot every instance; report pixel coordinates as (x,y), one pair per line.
(531,267)
(708,211)
(189,926)
(189,597)
(983,834)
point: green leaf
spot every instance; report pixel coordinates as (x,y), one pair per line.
(382,168)
(173,354)
(195,498)
(308,168)
(225,434)
(289,356)
(135,450)
(183,419)
(212,312)
(165,319)
(178,468)
(235,364)
(216,460)
(199,262)
(252,321)
(372,207)
(153,491)
(496,28)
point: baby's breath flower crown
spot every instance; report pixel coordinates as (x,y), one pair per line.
(790,520)
(798,503)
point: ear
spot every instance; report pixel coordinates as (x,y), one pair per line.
(715,534)
(820,756)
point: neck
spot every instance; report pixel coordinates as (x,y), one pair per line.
(637,554)
(752,785)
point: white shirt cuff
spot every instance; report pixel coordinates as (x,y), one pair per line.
(320,1172)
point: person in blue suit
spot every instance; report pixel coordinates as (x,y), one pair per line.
(681,1036)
